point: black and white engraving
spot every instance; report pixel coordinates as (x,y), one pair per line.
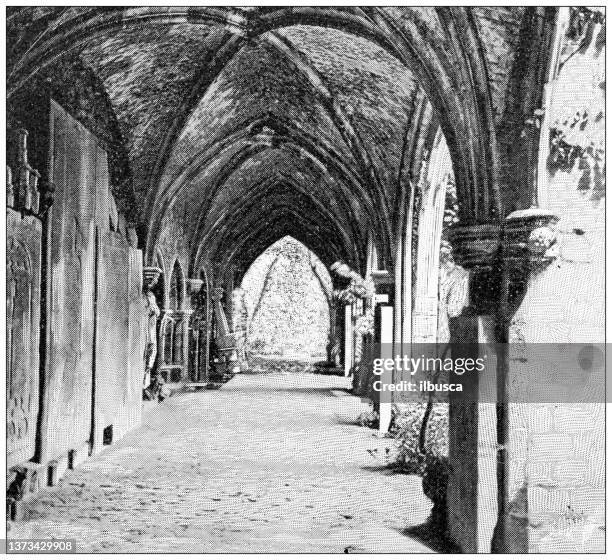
(295,279)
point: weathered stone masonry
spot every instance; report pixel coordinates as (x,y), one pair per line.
(167,148)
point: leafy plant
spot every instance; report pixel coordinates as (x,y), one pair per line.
(364,324)
(408,457)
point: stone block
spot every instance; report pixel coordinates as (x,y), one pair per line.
(543,500)
(550,447)
(590,502)
(570,473)
(35,477)
(595,472)
(540,419)
(519,444)
(573,419)
(538,472)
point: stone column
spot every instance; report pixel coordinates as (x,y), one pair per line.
(472,482)
(229,290)
(333,345)
(488,487)
(425,312)
(336,340)
(531,451)
(355,289)
(225,344)
(384,285)
(193,350)
(240,319)
(184,316)
(348,339)
(472,487)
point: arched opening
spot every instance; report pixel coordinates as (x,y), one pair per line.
(426,286)
(173,330)
(238,143)
(176,288)
(200,330)
(288,293)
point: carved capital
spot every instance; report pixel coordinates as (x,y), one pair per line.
(344,271)
(343,274)
(530,241)
(150,276)
(384,286)
(195,285)
(383,280)
(475,246)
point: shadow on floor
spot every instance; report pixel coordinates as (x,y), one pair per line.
(432,536)
(268,364)
(385,470)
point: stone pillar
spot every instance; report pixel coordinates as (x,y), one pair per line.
(533,497)
(348,339)
(337,342)
(472,479)
(489,487)
(226,358)
(193,339)
(240,320)
(472,488)
(384,285)
(25,194)
(184,316)
(355,289)
(333,344)
(229,290)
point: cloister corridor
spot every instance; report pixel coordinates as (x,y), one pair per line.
(271,462)
(225,224)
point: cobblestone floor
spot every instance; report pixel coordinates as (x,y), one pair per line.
(268,463)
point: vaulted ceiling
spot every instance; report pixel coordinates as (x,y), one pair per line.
(251,124)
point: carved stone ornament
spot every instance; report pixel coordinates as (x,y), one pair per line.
(382,278)
(530,239)
(150,276)
(195,285)
(475,246)
(22,183)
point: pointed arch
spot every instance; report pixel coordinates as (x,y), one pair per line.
(176,288)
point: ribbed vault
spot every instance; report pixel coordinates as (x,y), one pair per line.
(254,123)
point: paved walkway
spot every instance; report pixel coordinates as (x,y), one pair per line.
(269,463)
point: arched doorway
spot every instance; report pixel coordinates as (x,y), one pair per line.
(289,296)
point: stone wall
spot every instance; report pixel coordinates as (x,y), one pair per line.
(23,333)
(120,317)
(558,448)
(92,294)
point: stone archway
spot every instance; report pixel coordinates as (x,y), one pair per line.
(289,295)
(416,38)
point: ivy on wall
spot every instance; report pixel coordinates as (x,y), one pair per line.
(577,141)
